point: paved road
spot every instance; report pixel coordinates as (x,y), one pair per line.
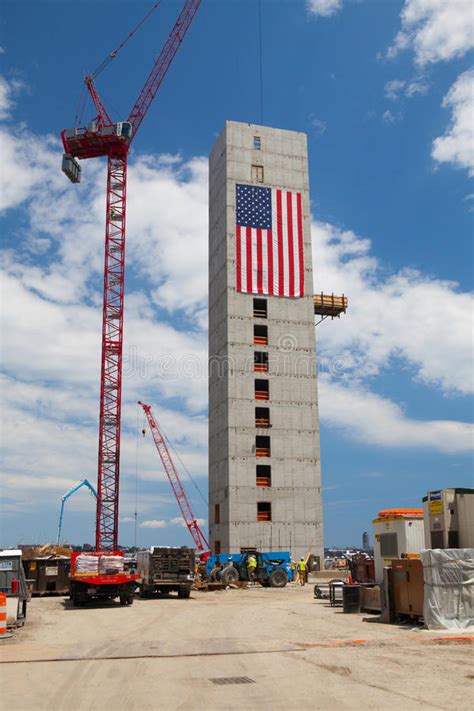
(170,654)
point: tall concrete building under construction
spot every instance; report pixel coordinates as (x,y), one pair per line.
(264,454)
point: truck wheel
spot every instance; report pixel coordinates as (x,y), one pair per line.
(229,575)
(124,599)
(278,578)
(184,593)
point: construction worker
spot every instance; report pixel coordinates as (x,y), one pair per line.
(251,567)
(294,569)
(302,571)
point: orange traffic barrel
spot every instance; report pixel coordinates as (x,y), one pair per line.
(3,617)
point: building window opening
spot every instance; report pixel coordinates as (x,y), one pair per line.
(260,308)
(262,417)
(261,362)
(264,475)
(257,143)
(217,513)
(217,547)
(262,446)
(262,390)
(257,173)
(260,335)
(264,511)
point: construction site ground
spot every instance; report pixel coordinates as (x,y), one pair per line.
(196,654)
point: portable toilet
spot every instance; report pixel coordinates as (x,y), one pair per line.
(398,533)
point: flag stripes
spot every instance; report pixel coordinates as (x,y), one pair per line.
(271,261)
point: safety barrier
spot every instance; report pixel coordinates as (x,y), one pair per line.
(3,617)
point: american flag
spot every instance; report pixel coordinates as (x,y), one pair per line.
(269,241)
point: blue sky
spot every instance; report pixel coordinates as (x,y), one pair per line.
(384,91)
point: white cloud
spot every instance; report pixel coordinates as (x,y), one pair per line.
(324,8)
(396,88)
(393,316)
(456,146)
(389,117)
(165,523)
(318,125)
(368,417)
(436,30)
(179,521)
(393,89)
(8,91)
(154,523)
(416,86)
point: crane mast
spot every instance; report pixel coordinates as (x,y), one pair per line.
(173,476)
(104,138)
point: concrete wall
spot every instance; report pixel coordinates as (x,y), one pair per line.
(295,493)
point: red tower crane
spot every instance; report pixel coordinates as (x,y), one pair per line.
(104,138)
(185,507)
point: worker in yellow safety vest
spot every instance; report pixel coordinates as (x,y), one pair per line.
(251,567)
(302,571)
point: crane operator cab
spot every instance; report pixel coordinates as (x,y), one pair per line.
(92,141)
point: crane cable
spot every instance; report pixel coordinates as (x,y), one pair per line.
(261,64)
(114,52)
(136,483)
(181,461)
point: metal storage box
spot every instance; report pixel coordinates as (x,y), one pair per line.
(407,587)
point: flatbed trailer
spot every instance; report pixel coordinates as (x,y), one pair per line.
(89,587)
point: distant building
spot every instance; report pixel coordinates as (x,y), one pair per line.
(365,541)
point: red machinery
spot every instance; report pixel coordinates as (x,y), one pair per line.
(104,138)
(185,507)
(85,587)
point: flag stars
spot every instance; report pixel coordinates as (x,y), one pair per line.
(254,207)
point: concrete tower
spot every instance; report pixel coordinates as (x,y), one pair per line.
(264,455)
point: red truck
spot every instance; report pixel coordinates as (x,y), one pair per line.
(100,575)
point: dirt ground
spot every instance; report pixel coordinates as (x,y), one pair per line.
(170,654)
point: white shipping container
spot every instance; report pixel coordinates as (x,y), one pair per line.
(397,533)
